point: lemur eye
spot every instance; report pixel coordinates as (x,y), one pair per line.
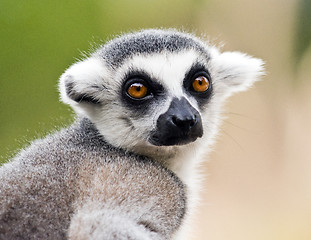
(200,84)
(137,90)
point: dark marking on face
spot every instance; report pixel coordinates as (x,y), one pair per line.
(198,70)
(180,124)
(128,122)
(79,96)
(140,106)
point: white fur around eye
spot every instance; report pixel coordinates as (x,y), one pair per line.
(166,68)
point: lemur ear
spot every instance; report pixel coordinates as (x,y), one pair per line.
(82,83)
(235,71)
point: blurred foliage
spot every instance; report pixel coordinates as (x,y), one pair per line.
(39,39)
(303,30)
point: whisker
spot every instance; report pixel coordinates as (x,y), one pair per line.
(240,115)
(235,141)
(239,127)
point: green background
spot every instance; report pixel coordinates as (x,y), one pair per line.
(39,39)
(259,173)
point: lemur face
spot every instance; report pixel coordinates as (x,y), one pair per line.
(155,88)
(165,91)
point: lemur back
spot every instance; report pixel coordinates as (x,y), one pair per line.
(148,107)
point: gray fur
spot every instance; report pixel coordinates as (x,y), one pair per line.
(102,177)
(52,185)
(147,42)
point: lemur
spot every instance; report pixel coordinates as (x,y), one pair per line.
(148,107)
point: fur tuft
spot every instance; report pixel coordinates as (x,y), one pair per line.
(235,71)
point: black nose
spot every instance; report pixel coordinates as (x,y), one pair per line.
(180,124)
(185,122)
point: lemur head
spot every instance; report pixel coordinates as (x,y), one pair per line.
(156,90)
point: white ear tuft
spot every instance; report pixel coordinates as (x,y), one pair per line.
(82,83)
(235,71)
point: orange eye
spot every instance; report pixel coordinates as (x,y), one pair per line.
(137,90)
(200,84)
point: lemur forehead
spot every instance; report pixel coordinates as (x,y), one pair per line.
(167,69)
(163,65)
(145,42)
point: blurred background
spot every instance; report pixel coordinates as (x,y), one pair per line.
(258,177)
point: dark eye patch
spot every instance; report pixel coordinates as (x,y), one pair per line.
(154,90)
(196,71)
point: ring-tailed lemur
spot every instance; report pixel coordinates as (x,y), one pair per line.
(148,106)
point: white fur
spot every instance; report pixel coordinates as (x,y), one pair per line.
(85,74)
(234,71)
(231,72)
(168,68)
